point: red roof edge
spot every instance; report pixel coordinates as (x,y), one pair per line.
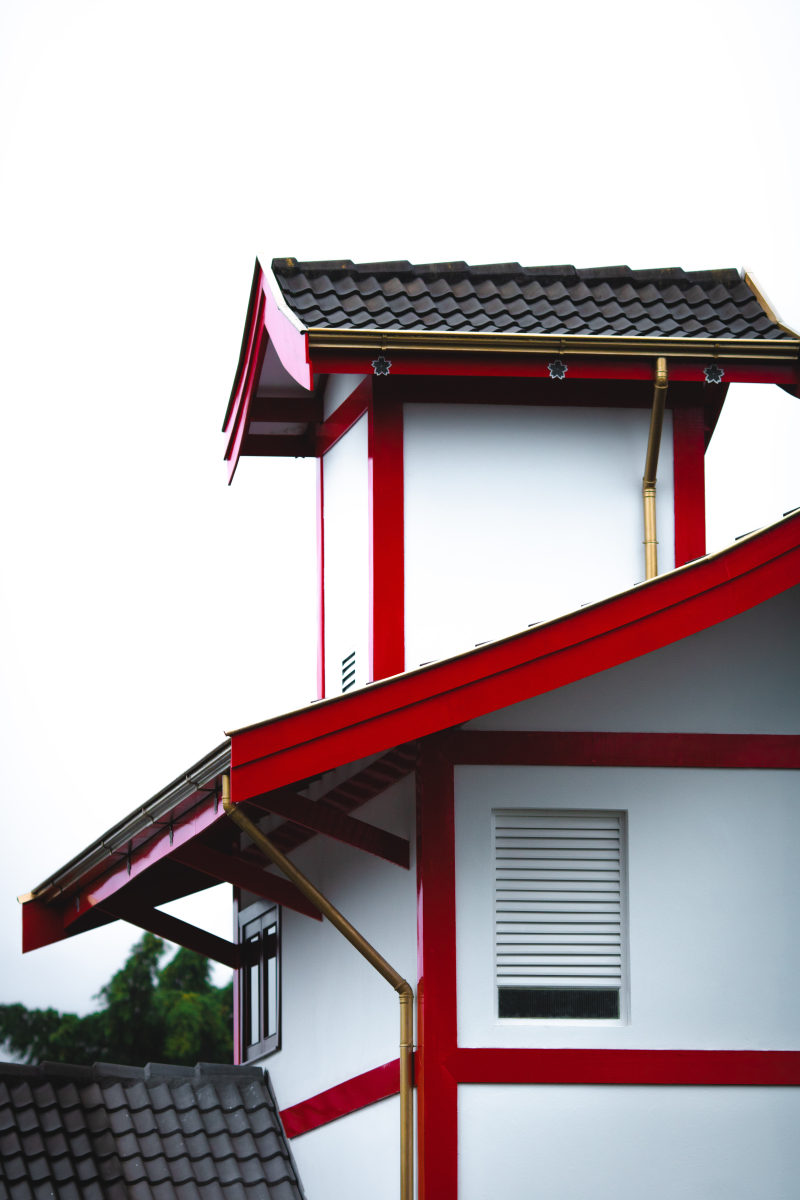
(549,656)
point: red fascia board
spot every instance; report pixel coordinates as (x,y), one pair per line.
(326,362)
(240,417)
(345,1098)
(709,1068)
(291,343)
(100,890)
(584,643)
(248,335)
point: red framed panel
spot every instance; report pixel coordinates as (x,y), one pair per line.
(693,1068)
(386,537)
(345,1098)
(688,469)
(718,751)
(437,1101)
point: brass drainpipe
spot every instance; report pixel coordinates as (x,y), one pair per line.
(651,468)
(404,989)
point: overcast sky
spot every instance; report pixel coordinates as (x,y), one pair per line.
(148,152)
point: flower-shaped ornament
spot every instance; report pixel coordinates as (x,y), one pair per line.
(381,365)
(557,369)
(714,373)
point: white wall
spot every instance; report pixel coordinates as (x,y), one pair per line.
(338,1017)
(337,389)
(354,1158)
(346,525)
(714,903)
(737,677)
(628,1143)
(514,515)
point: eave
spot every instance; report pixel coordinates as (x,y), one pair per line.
(435,341)
(174,844)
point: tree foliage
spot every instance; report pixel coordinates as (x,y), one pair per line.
(147,1013)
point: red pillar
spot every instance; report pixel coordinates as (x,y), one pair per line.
(386,536)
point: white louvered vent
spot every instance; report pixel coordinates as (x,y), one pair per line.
(559,913)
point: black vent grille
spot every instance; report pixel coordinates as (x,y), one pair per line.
(349,671)
(598,1004)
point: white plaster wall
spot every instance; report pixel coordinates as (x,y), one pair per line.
(738,677)
(338,1017)
(346,526)
(337,389)
(354,1158)
(514,515)
(714,904)
(628,1143)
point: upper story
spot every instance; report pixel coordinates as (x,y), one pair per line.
(497,445)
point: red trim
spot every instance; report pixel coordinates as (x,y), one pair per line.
(437,1111)
(237,996)
(688,450)
(479,363)
(386,537)
(320,581)
(720,751)
(686,1068)
(344,417)
(343,1099)
(703,1068)
(586,642)
(239,419)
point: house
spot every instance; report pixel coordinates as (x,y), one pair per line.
(551,776)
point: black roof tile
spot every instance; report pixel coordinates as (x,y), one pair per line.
(507,298)
(109,1132)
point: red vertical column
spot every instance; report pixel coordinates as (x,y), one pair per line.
(688,451)
(320,578)
(386,535)
(437,1100)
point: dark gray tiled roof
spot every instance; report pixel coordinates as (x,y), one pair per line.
(172,1133)
(508,298)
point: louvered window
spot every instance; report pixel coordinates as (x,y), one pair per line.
(559,914)
(349,671)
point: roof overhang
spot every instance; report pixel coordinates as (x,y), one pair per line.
(181,841)
(275,406)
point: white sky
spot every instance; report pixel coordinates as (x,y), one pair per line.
(148,152)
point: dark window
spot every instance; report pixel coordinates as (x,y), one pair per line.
(260,981)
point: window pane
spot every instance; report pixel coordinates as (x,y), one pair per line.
(272,996)
(253,994)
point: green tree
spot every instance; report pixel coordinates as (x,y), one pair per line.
(147,1013)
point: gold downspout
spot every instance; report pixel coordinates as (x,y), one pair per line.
(404,989)
(651,468)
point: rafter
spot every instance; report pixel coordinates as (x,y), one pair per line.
(230,868)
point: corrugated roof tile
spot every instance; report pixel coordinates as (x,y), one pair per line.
(114,1133)
(502,297)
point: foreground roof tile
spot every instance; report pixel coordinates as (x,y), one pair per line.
(157,1131)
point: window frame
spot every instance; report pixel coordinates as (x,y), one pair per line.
(621,815)
(254,924)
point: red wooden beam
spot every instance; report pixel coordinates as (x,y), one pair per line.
(744,751)
(689,483)
(386,537)
(277,445)
(324,818)
(346,1097)
(286,408)
(704,1068)
(175,930)
(228,868)
(365,785)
